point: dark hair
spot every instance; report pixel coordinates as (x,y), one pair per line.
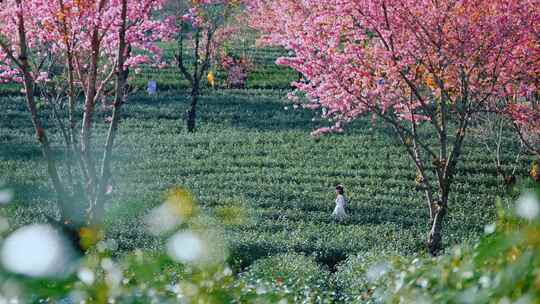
(340,189)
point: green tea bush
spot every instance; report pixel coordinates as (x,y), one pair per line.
(263,180)
(504,267)
(289,273)
(39,263)
(355,278)
(138,277)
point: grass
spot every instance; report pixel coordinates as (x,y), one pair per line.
(252,154)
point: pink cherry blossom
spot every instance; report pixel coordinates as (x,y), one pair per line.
(402,57)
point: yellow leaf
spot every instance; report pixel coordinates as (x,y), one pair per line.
(430,81)
(210,78)
(181,202)
(89,236)
(535,171)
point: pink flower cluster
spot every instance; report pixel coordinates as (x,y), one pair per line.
(526,115)
(401,58)
(237,69)
(54,28)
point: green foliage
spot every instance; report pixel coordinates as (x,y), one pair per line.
(138,277)
(289,273)
(356,276)
(268,187)
(502,268)
(254,156)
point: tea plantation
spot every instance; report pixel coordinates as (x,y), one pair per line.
(260,177)
(261,181)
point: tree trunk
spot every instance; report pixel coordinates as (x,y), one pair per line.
(97,211)
(192,112)
(41,136)
(438,210)
(88,114)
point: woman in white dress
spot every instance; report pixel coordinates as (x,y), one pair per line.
(339,211)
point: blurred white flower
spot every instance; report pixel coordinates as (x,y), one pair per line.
(6,196)
(76,296)
(162,219)
(114,277)
(185,247)
(38,251)
(86,276)
(107,264)
(485,281)
(423,283)
(400,281)
(505,300)
(528,206)
(101,246)
(376,271)
(174,288)
(113,274)
(526,299)
(489,229)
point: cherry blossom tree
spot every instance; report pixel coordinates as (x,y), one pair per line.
(524,108)
(522,102)
(422,67)
(525,114)
(202,26)
(72,51)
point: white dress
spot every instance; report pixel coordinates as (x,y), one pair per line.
(339,211)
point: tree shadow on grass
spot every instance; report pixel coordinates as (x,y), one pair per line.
(378,215)
(19,151)
(254,113)
(30,193)
(402,216)
(245,109)
(260,113)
